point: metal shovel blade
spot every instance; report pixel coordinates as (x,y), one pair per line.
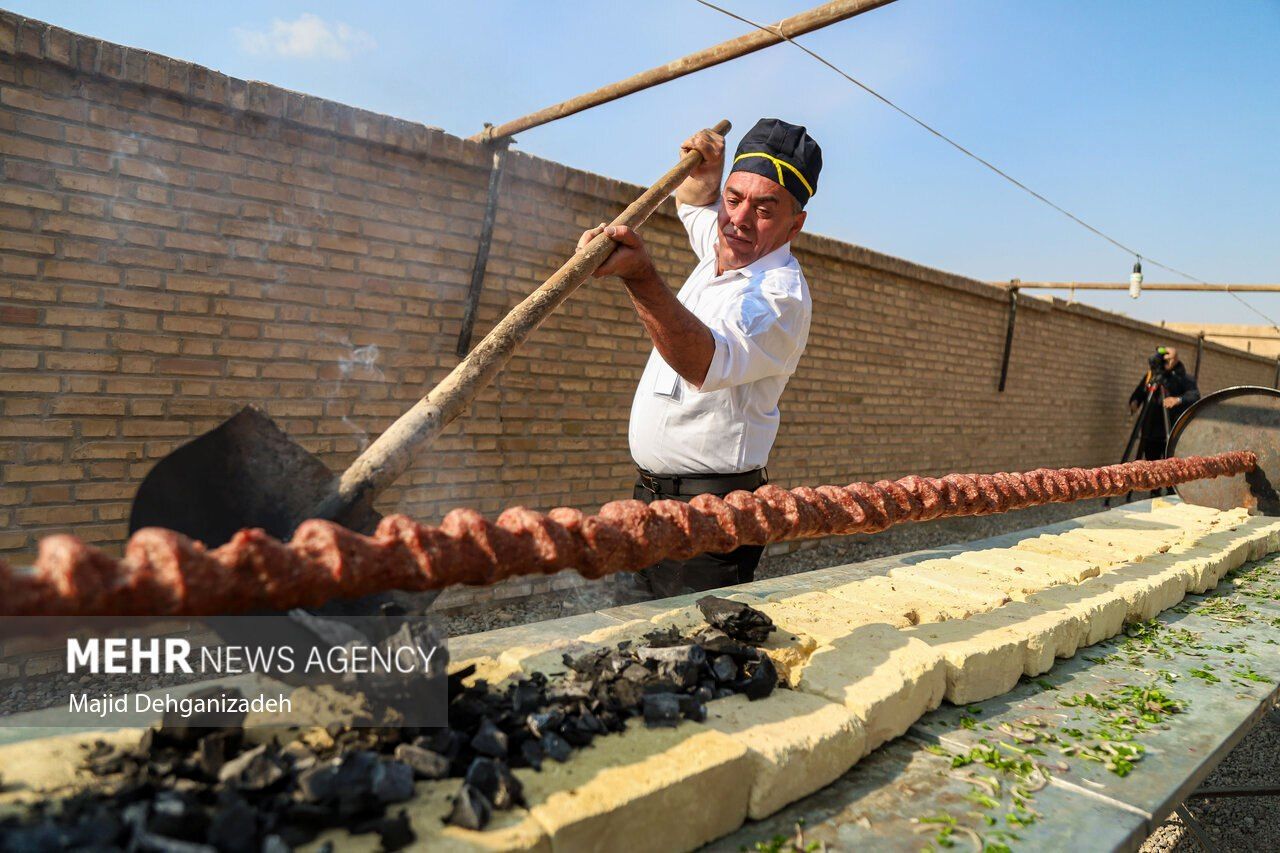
(244,473)
(247,472)
(1242,418)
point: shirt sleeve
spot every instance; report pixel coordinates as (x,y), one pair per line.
(700,224)
(759,336)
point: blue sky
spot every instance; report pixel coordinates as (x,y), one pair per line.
(1157,121)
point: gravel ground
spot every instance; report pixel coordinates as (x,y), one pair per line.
(52,691)
(1234,823)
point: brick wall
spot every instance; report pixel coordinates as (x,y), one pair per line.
(175,243)
(1260,340)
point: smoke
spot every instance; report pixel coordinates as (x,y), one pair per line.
(358,364)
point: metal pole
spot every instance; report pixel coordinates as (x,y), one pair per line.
(1195,374)
(1187,288)
(796,25)
(1276,384)
(1256,337)
(482,248)
(1008,333)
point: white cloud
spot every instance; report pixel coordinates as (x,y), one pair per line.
(309,37)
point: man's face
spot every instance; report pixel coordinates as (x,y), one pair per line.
(1170,358)
(757,217)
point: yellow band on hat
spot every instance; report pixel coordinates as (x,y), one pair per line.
(779,164)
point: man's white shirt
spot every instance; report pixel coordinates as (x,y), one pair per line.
(759,316)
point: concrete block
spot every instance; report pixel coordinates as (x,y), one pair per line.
(798,743)
(983,659)
(1050,632)
(1078,548)
(823,617)
(1099,608)
(902,598)
(1012,583)
(950,580)
(1030,566)
(886,678)
(645,790)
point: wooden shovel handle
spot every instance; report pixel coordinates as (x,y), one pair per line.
(388,457)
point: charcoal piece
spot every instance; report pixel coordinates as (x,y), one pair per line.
(616,663)
(149,744)
(275,844)
(448,742)
(490,740)
(254,770)
(320,783)
(590,663)
(526,697)
(724,668)
(760,680)
(300,756)
(234,826)
(184,731)
(495,780)
(217,749)
(628,694)
(668,636)
(556,747)
(692,709)
(150,842)
(354,782)
(739,621)
(392,782)
(682,674)
(716,642)
(661,709)
(689,653)
(43,837)
(724,692)
(471,809)
(577,733)
(546,721)
(566,692)
(95,829)
(637,673)
(455,680)
(591,723)
(532,753)
(424,763)
(396,832)
(704,694)
(176,816)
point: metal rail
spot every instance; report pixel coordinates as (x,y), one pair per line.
(796,25)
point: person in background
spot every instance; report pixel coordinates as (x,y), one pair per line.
(1175,391)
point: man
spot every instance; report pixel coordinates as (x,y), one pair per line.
(1180,391)
(705,413)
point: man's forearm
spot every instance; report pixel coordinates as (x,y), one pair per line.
(683,341)
(699,191)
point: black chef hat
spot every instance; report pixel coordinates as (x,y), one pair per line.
(781,152)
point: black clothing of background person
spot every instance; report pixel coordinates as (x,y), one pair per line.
(1177,383)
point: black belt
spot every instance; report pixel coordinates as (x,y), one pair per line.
(696,484)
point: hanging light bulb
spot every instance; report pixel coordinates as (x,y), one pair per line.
(1135,280)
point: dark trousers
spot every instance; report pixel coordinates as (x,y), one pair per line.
(705,571)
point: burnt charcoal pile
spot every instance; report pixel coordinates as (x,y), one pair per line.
(198,789)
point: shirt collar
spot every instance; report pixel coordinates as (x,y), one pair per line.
(779,257)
